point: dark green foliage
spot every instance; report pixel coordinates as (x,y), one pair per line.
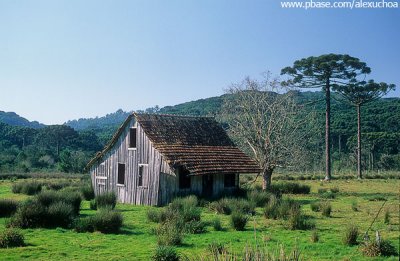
(376,198)
(82,225)
(216,224)
(335,190)
(350,235)
(238,221)
(60,214)
(93,205)
(195,227)
(290,188)
(107,221)
(258,198)
(240,205)
(186,207)
(57,185)
(383,248)
(386,219)
(106,200)
(87,192)
(328,195)
(354,205)
(280,208)
(11,237)
(27,187)
(165,253)
(29,214)
(326,209)
(7,207)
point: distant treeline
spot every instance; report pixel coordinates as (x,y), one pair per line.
(68,147)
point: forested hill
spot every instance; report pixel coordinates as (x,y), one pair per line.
(13,119)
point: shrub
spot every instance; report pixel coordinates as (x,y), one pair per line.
(46,198)
(107,221)
(314,236)
(326,209)
(258,198)
(106,200)
(376,198)
(190,213)
(57,186)
(87,192)
(27,187)
(297,220)
(29,214)
(154,215)
(93,205)
(165,253)
(386,219)
(322,190)
(242,206)
(60,214)
(383,248)
(195,227)
(315,206)
(7,207)
(169,233)
(216,224)
(11,238)
(335,190)
(350,236)
(84,225)
(280,208)
(328,195)
(290,188)
(221,206)
(238,221)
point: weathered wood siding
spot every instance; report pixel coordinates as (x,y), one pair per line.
(145,155)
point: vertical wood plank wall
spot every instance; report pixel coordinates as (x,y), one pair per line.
(160,183)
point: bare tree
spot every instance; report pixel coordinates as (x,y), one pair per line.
(265,123)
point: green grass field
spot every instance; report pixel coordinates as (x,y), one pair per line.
(138,242)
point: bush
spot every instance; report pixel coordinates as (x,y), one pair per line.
(46,198)
(280,208)
(11,238)
(350,236)
(107,221)
(314,236)
(93,205)
(297,220)
(57,186)
(26,187)
(106,200)
(322,190)
(195,227)
(7,207)
(373,248)
(169,233)
(258,198)
(87,192)
(216,224)
(60,214)
(154,215)
(221,206)
(334,190)
(315,206)
(84,225)
(326,209)
(29,214)
(290,188)
(238,221)
(165,253)
(328,195)
(242,206)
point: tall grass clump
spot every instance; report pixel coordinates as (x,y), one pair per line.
(290,188)
(350,235)
(238,221)
(169,234)
(154,215)
(216,224)
(11,237)
(296,220)
(106,200)
(326,209)
(386,218)
(7,207)
(314,236)
(106,221)
(221,206)
(258,198)
(354,205)
(315,206)
(165,253)
(280,208)
(26,187)
(374,248)
(87,192)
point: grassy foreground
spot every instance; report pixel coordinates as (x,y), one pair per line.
(137,240)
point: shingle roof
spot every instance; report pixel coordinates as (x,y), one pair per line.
(199,144)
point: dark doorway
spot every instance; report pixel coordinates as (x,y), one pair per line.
(207,186)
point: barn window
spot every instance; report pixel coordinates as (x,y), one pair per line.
(140,176)
(121,173)
(132,137)
(184,178)
(229,180)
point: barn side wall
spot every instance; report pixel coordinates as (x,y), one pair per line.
(104,173)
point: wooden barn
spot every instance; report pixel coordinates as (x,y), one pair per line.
(153,158)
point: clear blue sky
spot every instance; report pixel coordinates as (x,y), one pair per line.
(62,60)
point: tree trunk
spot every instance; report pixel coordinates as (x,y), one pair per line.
(328,132)
(267,175)
(359,174)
